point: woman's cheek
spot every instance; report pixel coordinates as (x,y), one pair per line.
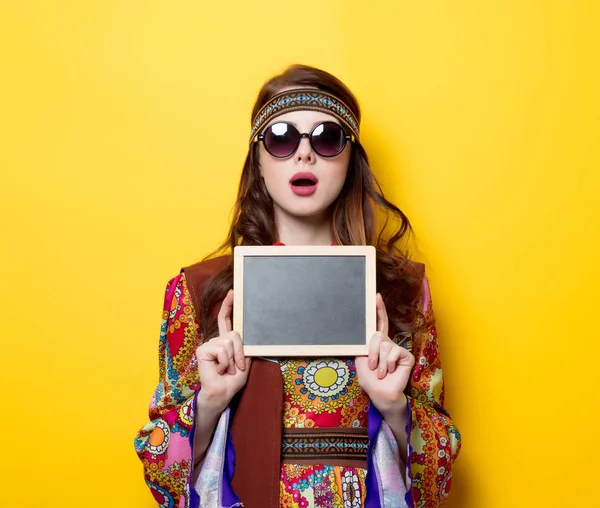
(335,181)
(276,184)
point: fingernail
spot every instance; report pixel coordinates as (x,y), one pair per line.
(381,374)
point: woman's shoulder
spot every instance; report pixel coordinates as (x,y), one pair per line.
(211,264)
(198,273)
(417,268)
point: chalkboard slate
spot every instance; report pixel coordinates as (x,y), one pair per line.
(304,301)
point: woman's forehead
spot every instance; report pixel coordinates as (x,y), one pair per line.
(304,120)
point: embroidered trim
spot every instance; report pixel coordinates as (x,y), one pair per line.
(311,99)
(324,446)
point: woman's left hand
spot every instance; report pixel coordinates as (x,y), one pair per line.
(384,374)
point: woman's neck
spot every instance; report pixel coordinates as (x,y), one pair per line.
(294,230)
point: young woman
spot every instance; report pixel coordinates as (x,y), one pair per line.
(370,431)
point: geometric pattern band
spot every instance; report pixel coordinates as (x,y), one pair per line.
(303,99)
(324,446)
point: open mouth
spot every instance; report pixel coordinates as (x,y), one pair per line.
(303,182)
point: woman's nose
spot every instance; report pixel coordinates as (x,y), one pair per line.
(304,152)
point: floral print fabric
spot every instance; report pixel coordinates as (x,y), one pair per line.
(322,486)
(322,392)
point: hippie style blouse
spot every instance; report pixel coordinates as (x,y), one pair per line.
(321,393)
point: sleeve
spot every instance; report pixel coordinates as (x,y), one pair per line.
(163,444)
(434,439)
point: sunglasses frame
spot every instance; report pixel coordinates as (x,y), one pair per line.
(309,135)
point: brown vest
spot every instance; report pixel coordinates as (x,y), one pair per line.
(256,427)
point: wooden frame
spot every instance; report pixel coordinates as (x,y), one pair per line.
(368,252)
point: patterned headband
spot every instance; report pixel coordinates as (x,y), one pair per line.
(304,98)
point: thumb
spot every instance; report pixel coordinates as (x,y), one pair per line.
(361,362)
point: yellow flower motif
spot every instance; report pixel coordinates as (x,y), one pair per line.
(288,387)
(307,405)
(293,470)
(354,391)
(319,408)
(325,377)
(328,407)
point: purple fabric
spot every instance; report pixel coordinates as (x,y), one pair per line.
(374,420)
(408,498)
(229,497)
(194,497)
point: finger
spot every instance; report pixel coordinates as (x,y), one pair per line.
(207,352)
(238,350)
(382,317)
(216,354)
(228,344)
(406,358)
(374,350)
(393,358)
(223,360)
(384,351)
(224,317)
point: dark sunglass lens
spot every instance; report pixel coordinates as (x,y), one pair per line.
(281,139)
(328,139)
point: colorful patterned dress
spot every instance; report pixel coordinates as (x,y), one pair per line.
(319,393)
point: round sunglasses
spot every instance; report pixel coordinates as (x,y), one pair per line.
(282,139)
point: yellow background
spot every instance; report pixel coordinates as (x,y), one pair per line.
(123,131)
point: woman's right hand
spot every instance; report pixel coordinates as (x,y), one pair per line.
(222,367)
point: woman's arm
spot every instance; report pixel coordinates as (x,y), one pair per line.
(163,444)
(434,439)
(398,380)
(397,419)
(207,417)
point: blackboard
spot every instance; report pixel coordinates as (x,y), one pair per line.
(304,300)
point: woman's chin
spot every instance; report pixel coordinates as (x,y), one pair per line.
(305,210)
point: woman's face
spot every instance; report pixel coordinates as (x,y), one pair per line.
(301,198)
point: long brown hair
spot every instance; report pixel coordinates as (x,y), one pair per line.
(353,216)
